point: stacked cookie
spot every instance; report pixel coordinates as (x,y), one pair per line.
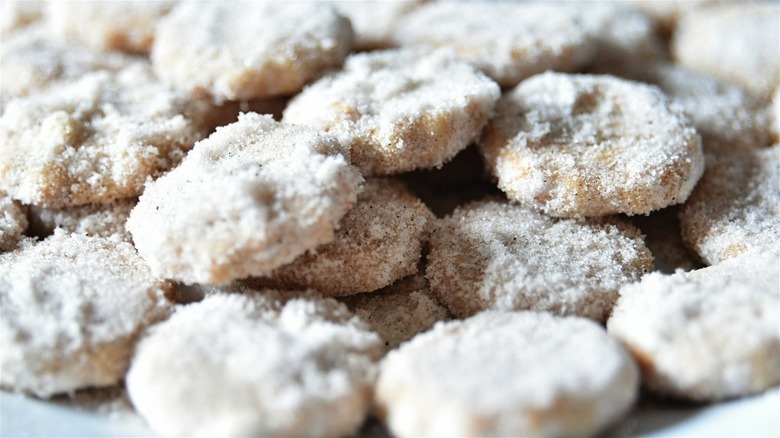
(275,218)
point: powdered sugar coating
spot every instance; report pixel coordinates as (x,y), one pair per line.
(72,309)
(509,42)
(93,139)
(99,220)
(13,222)
(375,21)
(399,110)
(17,14)
(622,34)
(496,255)
(727,117)
(378,242)
(249,50)
(32,61)
(736,206)
(704,336)
(584,145)
(734,42)
(256,364)
(124,25)
(400,311)
(266,192)
(507,374)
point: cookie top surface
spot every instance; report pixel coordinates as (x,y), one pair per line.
(378,242)
(126,26)
(399,110)
(33,60)
(727,117)
(247,50)
(93,139)
(707,335)
(588,145)
(507,373)
(72,307)
(734,42)
(735,207)
(509,42)
(374,22)
(495,255)
(255,363)
(266,192)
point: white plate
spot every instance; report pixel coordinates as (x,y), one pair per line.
(109,415)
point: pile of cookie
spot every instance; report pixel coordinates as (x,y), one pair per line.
(283,218)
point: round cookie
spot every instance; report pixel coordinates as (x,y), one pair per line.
(399,110)
(727,117)
(72,309)
(378,242)
(583,145)
(256,364)
(13,222)
(499,256)
(99,220)
(32,61)
(736,206)
(734,42)
(266,192)
(249,50)
(126,26)
(509,42)
(507,374)
(704,336)
(400,311)
(94,139)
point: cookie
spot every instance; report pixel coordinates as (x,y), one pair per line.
(589,145)
(378,242)
(73,308)
(507,374)
(734,42)
(400,311)
(399,110)
(266,192)
(622,35)
(126,26)
(736,206)
(727,117)
(99,220)
(493,255)
(249,50)
(13,222)
(707,335)
(94,139)
(32,61)
(255,364)
(509,42)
